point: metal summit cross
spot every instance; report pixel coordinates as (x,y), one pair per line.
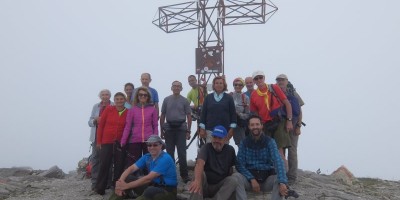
(209,17)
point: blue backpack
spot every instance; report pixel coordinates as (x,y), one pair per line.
(291,98)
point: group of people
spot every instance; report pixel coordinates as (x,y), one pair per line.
(127,139)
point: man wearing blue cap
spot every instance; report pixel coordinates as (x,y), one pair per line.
(213,172)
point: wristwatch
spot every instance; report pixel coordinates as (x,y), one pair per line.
(289,119)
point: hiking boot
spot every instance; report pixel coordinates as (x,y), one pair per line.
(131,194)
(186,179)
(100,192)
(291,181)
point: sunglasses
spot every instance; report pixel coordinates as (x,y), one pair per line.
(238,85)
(153,145)
(143,95)
(258,77)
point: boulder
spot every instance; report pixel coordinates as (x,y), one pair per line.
(53,172)
(343,175)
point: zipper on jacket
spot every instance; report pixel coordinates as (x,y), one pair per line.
(142,123)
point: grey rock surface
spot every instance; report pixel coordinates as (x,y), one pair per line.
(53,172)
(310,186)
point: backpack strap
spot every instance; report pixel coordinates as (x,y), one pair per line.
(271,89)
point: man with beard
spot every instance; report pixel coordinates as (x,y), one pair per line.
(257,158)
(213,172)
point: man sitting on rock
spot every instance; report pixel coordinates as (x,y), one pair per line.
(257,158)
(161,181)
(213,171)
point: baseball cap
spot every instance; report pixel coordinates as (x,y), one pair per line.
(258,73)
(154,139)
(282,76)
(219,131)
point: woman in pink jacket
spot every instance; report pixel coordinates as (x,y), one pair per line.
(141,122)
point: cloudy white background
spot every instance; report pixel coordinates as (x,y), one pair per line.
(342,56)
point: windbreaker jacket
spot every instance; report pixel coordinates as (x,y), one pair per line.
(141,122)
(92,125)
(111,126)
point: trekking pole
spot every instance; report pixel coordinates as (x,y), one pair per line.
(193,138)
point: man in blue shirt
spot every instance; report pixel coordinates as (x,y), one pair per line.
(258,160)
(145,79)
(161,181)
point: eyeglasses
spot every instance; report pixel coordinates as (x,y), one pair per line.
(152,145)
(238,85)
(258,77)
(143,95)
(280,79)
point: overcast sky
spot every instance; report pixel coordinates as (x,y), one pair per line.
(342,56)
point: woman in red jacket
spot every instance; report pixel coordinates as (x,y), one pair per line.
(109,133)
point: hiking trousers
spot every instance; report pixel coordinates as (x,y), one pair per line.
(94,160)
(292,153)
(271,184)
(223,190)
(177,137)
(110,155)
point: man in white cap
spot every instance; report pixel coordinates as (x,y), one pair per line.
(213,171)
(296,103)
(267,102)
(161,181)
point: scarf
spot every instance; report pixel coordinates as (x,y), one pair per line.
(265,95)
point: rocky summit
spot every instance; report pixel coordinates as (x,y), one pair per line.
(26,183)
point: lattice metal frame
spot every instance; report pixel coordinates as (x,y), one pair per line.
(209,17)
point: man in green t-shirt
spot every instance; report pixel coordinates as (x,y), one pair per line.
(197,93)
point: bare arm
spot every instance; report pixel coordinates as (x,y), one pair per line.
(122,185)
(162,121)
(196,185)
(128,171)
(289,126)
